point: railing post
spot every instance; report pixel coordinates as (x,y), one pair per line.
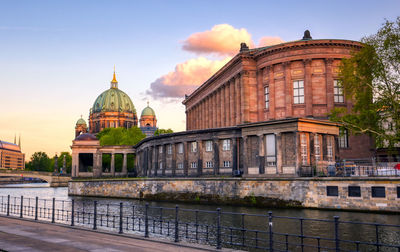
(146,220)
(36,207)
(337,233)
(271,241)
(53,211)
(8,205)
(176,223)
(21,206)
(121,207)
(72,212)
(218,228)
(95,215)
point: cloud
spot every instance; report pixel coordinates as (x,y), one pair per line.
(186,77)
(222,39)
(269,41)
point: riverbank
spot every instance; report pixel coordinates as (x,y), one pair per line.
(365,194)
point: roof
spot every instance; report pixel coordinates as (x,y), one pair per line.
(147,111)
(81,121)
(9,146)
(86,137)
(113,100)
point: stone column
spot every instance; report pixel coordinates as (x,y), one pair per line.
(238,100)
(174,150)
(234,155)
(279,153)
(233,102)
(185,158)
(260,95)
(261,154)
(216,156)
(97,164)
(229,105)
(199,158)
(218,106)
(75,165)
(288,89)
(308,87)
(112,164)
(156,154)
(164,158)
(223,116)
(329,84)
(245,157)
(214,109)
(124,165)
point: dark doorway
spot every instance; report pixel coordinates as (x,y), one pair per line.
(85,162)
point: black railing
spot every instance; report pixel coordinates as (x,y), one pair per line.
(216,228)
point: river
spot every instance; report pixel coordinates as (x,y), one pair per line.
(311,228)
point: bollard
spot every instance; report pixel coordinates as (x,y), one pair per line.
(36,208)
(146,221)
(8,205)
(53,211)
(120,217)
(176,223)
(218,228)
(271,241)
(72,212)
(337,233)
(95,215)
(21,207)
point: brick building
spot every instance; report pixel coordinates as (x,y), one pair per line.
(11,156)
(290,80)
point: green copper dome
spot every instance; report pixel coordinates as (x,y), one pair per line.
(147,111)
(81,121)
(113,100)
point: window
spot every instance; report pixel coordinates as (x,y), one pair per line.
(160,149)
(337,92)
(354,191)
(193,146)
(193,165)
(180,148)
(329,148)
(332,191)
(270,149)
(209,164)
(378,192)
(161,165)
(226,144)
(343,138)
(180,165)
(298,92)
(227,163)
(317,148)
(304,153)
(169,149)
(398,192)
(266,94)
(209,145)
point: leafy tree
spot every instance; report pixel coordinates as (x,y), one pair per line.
(163,131)
(121,136)
(40,161)
(371,78)
(60,162)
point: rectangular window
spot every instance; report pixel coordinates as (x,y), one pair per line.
(343,138)
(227,163)
(332,191)
(160,149)
(354,191)
(209,164)
(193,146)
(209,145)
(378,192)
(338,92)
(226,144)
(180,148)
(169,149)
(161,165)
(180,165)
(317,147)
(266,94)
(270,149)
(193,165)
(398,192)
(304,149)
(329,148)
(298,92)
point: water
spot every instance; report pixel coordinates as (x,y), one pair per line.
(162,221)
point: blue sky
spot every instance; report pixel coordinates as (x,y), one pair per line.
(57,56)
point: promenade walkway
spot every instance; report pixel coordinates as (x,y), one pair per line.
(25,235)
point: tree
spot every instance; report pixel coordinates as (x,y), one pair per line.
(40,161)
(60,162)
(371,78)
(163,131)
(121,136)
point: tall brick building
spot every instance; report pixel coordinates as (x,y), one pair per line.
(296,79)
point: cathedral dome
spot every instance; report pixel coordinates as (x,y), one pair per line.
(81,121)
(113,100)
(147,111)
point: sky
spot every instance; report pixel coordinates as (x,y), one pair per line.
(56,57)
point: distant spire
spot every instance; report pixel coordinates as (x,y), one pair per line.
(15,138)
(114,82)
(19,141)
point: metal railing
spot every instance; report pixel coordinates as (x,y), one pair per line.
(216,228)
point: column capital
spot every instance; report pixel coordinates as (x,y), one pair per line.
(307,62)
(329,61)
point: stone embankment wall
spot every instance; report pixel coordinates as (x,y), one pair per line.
(378,194)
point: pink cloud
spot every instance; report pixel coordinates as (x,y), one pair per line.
(269,41)
(186,77)
(222,39)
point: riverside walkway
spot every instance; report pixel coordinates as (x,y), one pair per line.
(27,235)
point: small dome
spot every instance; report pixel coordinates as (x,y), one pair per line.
(81,121)
(147,111)
(86,137)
